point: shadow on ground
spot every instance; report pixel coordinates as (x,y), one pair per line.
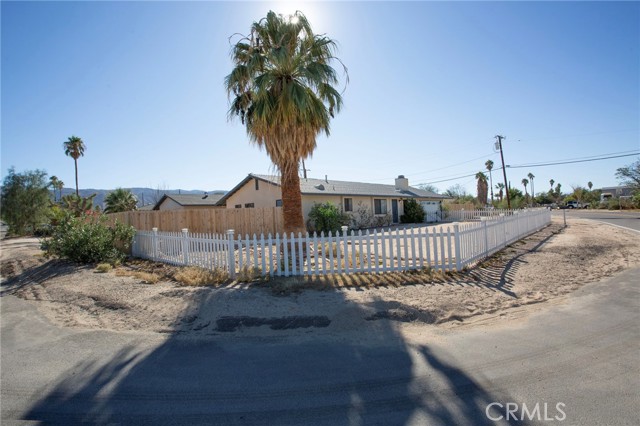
(293,375)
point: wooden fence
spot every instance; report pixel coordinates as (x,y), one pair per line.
(444,247)
(212,221)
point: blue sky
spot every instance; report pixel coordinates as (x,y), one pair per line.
(431,84)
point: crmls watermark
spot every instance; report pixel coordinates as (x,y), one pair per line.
(514,411)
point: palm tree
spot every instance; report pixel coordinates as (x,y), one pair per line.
(551,182)
(533,193)
(56,184)
(74,148)
(282,88)
(500,188)
(525,182)
(482,188)
(489,166)
(120,200)
(590,185)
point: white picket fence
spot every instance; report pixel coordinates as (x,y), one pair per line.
(443,247)
(475,215)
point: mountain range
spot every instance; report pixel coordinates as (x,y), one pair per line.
(145,196)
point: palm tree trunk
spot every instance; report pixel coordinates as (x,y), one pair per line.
(75,161)
(292,201)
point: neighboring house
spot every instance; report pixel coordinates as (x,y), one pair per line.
(146,208)
(368,204)
(616,192)
(188,201)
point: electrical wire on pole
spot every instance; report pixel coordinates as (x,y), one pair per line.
(504,169)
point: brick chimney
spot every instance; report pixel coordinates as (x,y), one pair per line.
(402,182)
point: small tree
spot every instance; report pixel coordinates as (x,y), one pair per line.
(25,201)
(326,218)
(630,175)
(413,212)
(89,239)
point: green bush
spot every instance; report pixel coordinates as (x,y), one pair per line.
(88,239)
(413,212)
(327,217)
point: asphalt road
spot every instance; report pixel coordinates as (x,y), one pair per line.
(626,219)
(576,361)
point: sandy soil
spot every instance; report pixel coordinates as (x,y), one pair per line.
(541,268)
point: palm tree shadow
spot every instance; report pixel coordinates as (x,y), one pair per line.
(368,377)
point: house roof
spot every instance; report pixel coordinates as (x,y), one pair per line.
(191,200)
(339,187)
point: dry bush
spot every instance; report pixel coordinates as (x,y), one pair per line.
(193,275)
(248,274)
(145,277)
(101,268)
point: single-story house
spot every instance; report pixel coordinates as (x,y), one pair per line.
(188,201)
(616,192)
(368,204)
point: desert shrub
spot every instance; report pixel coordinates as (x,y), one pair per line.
(88,239)
(327,217)
(101,268)
(413,212)
(248,274)
(193,275)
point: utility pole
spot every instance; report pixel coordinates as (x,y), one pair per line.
(504,169)
(304,170)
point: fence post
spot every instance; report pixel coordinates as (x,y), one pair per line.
(456,239)
(185,246)
(231,258)
(486,237)
(154,242)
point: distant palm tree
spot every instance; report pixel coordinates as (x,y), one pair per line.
(282,89)
(489,166)
(525,182)
(482,188)
(56,184)
(533,193)
(120,200)
(551,182)
(590,185)
(500,188)
(74,148)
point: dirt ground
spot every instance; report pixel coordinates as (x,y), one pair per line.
(541,268)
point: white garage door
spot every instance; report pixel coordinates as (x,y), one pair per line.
(431,211)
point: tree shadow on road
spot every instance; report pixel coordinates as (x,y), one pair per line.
(303,371)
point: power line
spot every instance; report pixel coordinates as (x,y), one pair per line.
(556,163)
(522,166)
(441,168)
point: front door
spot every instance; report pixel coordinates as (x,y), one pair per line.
(394,210)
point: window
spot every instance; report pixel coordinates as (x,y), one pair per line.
(249,206)
(238,206)
(348,204)
(257,184)
(278,203)
(379,206)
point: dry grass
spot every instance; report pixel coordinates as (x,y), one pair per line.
(145,277)
(249,274)
(193,275)
(101,268)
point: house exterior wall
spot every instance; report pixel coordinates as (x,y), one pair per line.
(265,196)
(361,216)
(169,204)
